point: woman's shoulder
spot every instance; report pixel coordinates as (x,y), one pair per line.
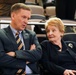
(45,42)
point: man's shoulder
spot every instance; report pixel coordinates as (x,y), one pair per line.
(29,31)
(1,30)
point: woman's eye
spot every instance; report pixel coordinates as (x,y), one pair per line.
(47,31)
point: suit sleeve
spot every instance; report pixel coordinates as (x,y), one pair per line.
(31,55)
(8,61)
(49,65)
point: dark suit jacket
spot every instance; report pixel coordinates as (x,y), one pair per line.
(9,65)
(49,61)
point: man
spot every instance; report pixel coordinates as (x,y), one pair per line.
(13,60)
(5,6)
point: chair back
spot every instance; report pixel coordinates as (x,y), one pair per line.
(50,11)
(36,9)
(69,37)
(31,2)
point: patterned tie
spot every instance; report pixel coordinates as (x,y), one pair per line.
(20,47)
(19,42)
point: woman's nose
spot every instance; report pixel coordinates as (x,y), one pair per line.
(50,32)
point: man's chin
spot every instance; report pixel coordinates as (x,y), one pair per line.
(22,29)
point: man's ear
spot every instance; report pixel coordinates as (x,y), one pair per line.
(12,15)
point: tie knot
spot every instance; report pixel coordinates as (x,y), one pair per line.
(17,33)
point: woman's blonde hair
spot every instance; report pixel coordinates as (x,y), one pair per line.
(57,22)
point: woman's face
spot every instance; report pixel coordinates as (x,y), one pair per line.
(53,34)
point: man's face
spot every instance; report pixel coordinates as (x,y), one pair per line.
(20,19)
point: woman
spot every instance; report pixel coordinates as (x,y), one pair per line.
(56,58)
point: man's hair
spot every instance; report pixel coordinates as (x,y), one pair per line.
(18,6)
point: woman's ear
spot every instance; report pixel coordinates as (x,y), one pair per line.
(62,33)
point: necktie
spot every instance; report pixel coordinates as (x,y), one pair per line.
(20,47)
(19,42)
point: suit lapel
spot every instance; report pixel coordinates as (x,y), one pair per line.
(26,39)
(11,37)
(25,35)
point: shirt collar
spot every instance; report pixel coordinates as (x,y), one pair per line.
(14,30)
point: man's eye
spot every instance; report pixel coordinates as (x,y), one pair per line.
(54,30)
(24,17)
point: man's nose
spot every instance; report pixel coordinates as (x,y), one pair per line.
(26,21)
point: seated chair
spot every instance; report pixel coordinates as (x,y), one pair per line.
(39,29)
(69,37)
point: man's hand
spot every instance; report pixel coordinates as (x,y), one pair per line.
(33,46)
(11,54)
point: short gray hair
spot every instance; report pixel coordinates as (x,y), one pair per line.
(18,6)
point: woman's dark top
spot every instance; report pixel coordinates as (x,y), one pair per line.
(54,61)
(65,60)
